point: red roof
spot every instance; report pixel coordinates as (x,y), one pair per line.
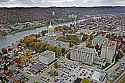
(97,46)
(4,50)
(9,49)
(17,61)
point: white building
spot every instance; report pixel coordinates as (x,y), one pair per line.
(47,57)
(52,33)
(90,55)
(99,76)
(55,42)
(84,55)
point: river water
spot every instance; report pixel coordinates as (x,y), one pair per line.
(13,38)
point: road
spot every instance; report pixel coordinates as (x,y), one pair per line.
(121,78)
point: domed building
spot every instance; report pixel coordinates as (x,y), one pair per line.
(50,28)
(51,32)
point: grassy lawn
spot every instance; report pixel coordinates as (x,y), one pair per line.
(85,81)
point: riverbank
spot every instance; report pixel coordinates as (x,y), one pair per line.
(25,29)
(13,38)
(35,27)
(3,33)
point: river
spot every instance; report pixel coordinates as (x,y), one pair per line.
(12,38)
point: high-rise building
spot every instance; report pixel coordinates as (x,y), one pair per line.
(108,48)
(84,55)
(104,54)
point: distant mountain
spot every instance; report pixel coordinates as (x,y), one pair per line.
(17,14)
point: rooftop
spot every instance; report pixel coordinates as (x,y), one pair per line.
(98,76)
(47,53)
(92,74)
(47,57)
(84,49)
(37,67)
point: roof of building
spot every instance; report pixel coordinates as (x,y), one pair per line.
(48,53)
(92,74)
(104,42)
(47,57)
(100,40)
(50,34)
(85,73)
(56,43)
(84,49)
(78,80)
(98,76)
(37,67)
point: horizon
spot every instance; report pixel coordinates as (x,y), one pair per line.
(60,3)
(61,7)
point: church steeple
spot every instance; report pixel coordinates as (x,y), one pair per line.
(50,23)
(50,28)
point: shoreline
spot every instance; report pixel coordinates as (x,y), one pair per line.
(33,28)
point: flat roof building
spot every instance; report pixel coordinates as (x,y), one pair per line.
(47,57)
(37,67)
(56,43)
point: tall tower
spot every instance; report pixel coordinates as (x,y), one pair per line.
(51,27)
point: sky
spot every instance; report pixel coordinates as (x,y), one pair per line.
(60,3)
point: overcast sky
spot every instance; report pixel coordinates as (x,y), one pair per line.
(60,3)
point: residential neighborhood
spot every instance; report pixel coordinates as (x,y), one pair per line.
(85,50)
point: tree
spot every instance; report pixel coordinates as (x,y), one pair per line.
(71,44)
(68,56)
(0,54)
(117,57)
(51,48)
(55,73)
(89,41)
(91,37)
(29,39)
(56,66)
(69,38)
(4,50)
(85,37)
(85,81)
(108,36)
(3,33)
(63,51)
(58,52)
(36,81)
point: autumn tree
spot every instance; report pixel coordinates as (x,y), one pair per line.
(56,65)
(85,37)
